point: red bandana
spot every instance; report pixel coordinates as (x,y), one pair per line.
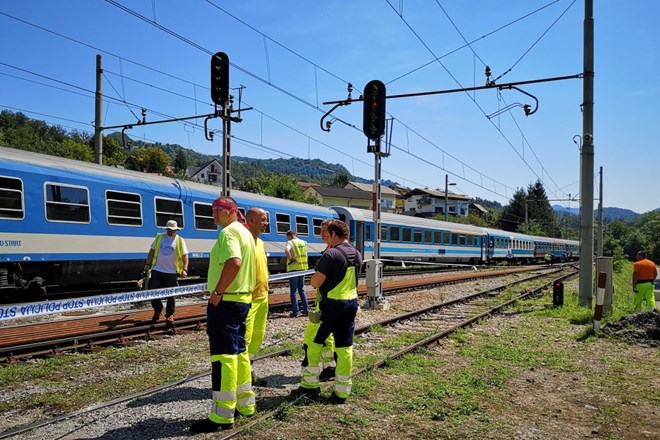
(225,205)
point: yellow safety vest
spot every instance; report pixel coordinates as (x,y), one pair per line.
(347,287)
(179,250)
(299,253)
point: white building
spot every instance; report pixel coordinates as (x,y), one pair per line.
(429,202)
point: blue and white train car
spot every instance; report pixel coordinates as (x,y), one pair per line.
(66,222)
(558,249)
(414,238)
(508,246)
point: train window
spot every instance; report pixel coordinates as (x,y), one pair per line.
(168,209)
(383,233)
(462,240)
(123,208)
(283,223)
(367,232)
(395,233)
(468,240)
(446,238)
(302,225)
(11,198)
(455,239)
(417,236)
(242,210)
(428,236)
(203,214)
(66,203)
(316,224)
(407,233)
(437,237)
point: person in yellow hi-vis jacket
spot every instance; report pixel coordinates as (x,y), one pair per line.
(328,356)
(231,280)
(296,256)
(335,277)
(255,326)
(167,260)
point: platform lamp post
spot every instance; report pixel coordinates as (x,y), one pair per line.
(447,184)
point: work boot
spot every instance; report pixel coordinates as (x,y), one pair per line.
(327,374)
(257,381)
(207,425)
(308,392)
(156,316)
(335,399)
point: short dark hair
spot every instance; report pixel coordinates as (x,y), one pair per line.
(338,227)
(641,253)
(290,233)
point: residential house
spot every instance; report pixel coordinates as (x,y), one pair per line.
(388,197)
(332,196)
(209,172)
(424,202)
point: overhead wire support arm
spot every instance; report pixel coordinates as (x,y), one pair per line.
(347,101)
(491,85)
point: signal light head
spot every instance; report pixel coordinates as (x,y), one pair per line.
(373,122)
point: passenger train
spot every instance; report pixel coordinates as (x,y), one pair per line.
(65,222)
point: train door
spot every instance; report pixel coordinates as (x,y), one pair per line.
(358,239)
(490,248)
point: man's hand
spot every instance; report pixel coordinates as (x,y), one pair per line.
(215,299)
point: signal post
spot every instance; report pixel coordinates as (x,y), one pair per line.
(373,127)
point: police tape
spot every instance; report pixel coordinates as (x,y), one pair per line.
(40,308)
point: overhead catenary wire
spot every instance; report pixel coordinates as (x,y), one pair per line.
(172,76)
(312,105)
(428,48)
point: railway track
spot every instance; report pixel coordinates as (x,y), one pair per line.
(373,346)
(60,293)
(87,334)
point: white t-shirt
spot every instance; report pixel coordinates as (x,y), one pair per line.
(166,260)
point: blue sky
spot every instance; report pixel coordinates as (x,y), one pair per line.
(292,56)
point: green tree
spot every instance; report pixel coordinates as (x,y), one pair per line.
(180,161)
(113,153)
(513,215)
(150,160)
(277,185)
(75,150)
(340,180)
(539,209)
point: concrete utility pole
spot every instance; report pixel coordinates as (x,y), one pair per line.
(587,163)
(98,113)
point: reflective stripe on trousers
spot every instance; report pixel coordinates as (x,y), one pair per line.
(344,371)
(224,399)
(311,371)
(245,400)
(327,354)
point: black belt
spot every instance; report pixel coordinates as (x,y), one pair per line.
(644,281)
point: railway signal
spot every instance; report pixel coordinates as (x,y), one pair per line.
(220,78)
(373,124)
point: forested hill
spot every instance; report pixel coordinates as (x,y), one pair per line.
(309,170)
(609,213)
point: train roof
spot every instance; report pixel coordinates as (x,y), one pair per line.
(508,234)
(53,166)
(554,240)
(366,215)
